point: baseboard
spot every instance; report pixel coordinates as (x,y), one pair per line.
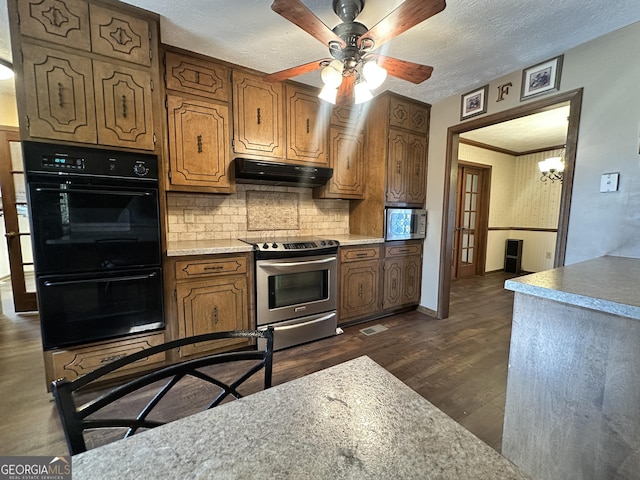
(427,311)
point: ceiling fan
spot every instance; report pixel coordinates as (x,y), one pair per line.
(353,70)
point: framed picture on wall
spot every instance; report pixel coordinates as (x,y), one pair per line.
(474,103)
(541,78)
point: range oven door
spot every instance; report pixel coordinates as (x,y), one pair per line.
(82,308)
(79,226)
(295,287)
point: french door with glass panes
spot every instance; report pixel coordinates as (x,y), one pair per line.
(16,222)
(470,230)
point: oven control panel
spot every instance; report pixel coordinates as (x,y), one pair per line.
(297,246)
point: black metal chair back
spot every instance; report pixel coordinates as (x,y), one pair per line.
(75,418)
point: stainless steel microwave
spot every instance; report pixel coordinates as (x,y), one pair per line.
(405,223)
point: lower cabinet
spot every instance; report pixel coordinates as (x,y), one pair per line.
(402,276)
(212,295)
(74,362)
(359,282)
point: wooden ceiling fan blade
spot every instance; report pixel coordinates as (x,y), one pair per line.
(294,71)
(409,71)
(407,15)
(345,91)
(297,13)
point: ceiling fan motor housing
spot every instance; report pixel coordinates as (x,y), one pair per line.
(348,10)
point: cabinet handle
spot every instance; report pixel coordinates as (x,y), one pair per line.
(348,162)
(258,115)
(214,315)
(216,268)
(360,291)
(363,254)
(417,169)
(308,125)
(60,98)
(394,284)
(398,167)
(124,106)
(112,358)
(199,139)
(411,281)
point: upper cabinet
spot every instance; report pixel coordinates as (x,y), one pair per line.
(408,115)
(307,123)
(78,93)
(198,123)
(406,168)
(258,120)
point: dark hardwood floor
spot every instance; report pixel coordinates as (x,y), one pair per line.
(458,364)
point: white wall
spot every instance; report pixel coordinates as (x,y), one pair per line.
(600,223)
(8,110)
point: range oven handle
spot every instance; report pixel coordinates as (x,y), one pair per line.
(101,280)
(297,264)
(98,192)
(296,325)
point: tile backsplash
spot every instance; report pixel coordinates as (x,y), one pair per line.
(194,216)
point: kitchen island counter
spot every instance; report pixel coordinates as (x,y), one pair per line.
(573,399)
(353,420)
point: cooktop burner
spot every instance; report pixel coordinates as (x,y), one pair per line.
(290,244)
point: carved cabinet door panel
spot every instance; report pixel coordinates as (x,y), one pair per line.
(306,126)
(397,166)
(62,105)
(346,157)
(196,76)
(212,305)
(408,115)
(359,289)
(412,279)
(64,22)
(123,106)
(118,35)
(416,178)
(198,143)
(258,119)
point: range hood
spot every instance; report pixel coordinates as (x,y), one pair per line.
(278,173)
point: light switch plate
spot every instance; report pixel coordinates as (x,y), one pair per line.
(609,182)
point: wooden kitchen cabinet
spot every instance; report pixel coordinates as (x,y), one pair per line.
(198,143)
(396,149)
(346,157)
(212,295)
(406,168)
(359,282)
(258,118)
(402,273)
(307,124)
(83,92)
(71,363)
(198,123)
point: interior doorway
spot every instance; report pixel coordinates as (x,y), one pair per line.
(574,99)
(472,207)
(16,220)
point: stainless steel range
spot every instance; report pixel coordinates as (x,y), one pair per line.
(296,288)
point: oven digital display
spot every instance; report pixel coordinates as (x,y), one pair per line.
(63,162)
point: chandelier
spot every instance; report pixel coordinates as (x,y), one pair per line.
(552,169)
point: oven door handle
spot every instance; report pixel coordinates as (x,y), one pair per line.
(101,280)
(297,264)
(95,192)
(296,325)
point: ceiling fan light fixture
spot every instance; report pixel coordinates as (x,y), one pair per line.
(362,92)
(374,74)
(329,94)
(332,74)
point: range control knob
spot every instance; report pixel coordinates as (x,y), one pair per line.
(265,246)
(140,170)
(275,245)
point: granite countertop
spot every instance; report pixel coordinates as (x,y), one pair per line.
(211,247)
(607,284)
(353,420)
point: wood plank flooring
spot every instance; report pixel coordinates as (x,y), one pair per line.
(458,364)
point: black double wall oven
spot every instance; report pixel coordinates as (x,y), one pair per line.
(95,228)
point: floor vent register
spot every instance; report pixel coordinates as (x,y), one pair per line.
(373,329)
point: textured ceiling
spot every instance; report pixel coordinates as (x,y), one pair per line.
(470,43)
